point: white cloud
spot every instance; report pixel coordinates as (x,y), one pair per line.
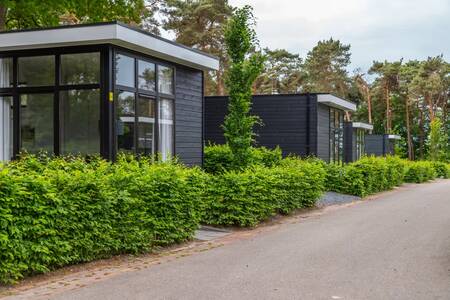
(376,29)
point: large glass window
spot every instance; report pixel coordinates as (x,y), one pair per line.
(80,68)
(139,107)
(36,71)
(36,122)
(336,135)
(6,128)
(147,77)
(6,72)
(165,80)
(146,125)
(80,121)
(165,128)
(125,121)
(359,143)
(125,70)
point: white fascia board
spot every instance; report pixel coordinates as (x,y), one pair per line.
(393,137)
(336,102)
(107,33)
(362,125)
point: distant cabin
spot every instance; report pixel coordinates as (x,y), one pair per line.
(381,144)
(310,124)
(355,140)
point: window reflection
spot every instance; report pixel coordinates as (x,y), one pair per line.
(36,71)
(6,128)
(80,68)
(124,70)
(125,121)
(80,122)
(165,80)
(36,122)
(147,77)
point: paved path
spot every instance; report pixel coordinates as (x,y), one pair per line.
(394,247)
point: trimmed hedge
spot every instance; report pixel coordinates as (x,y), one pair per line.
(420,171)
(218,158)
(253,195)
(367,176)
(58,212)
(442,169)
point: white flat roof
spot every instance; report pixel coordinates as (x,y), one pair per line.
(394,137)
(336,102)
(362,125)
(114,33)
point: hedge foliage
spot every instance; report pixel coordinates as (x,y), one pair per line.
(58,212)
(55,212)
(253,195)
(219,158)
(370,175)
(442,169)
(420,171)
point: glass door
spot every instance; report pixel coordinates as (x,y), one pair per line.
(36,123)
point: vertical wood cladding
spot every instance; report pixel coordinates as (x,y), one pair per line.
(323,132)
(375,144)
(189,115)
(349,142)
(288,122)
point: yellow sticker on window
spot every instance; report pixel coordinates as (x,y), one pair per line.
(111,96)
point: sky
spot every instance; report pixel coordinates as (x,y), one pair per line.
(375,29)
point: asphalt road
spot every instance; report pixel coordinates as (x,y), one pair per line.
(394,247)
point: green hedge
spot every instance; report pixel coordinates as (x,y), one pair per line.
(420,171)
(218,158)
(367,176)
(442,169)
(253,195)
(59,212)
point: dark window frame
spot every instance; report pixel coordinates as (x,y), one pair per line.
(336,135)
(15,91)
(145,93)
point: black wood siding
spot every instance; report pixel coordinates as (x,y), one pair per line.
(323,132)
(349,143)
(289,122)
(375,144)
(189,115)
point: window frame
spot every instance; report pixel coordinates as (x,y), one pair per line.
(156,95)
(16,91)
(336,135)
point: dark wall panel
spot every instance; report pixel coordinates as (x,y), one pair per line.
(284,117)
(349,143)
(189,115)
(374,144)
(323,132)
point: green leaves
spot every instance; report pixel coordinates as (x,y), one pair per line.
(245,66)
(55,212)
(367,176)
(245,198)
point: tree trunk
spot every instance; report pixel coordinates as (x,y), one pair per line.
(388,109)
(421,134)
(369,106)
(408,130)
(220,89)
(429,102)
(3,11)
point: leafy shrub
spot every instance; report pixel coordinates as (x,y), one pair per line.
(253,195)
(420,171)
(442,169)
(55,212)
(366,176)
(219,158)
